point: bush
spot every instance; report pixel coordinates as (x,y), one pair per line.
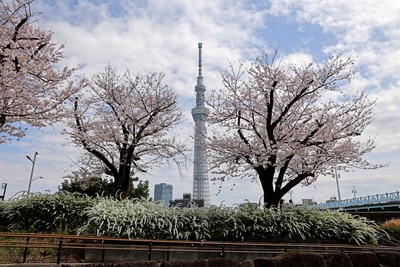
(138,219)
(72,213)
(4,222)
(46,213)
(392,223)
(392,227)
(95,186)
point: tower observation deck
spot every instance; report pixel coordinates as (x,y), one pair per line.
(200,113)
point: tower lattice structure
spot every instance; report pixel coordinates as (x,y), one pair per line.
(201,188)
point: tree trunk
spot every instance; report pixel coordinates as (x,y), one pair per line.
(122,181)
(123,187)
(126,182)
(266,176)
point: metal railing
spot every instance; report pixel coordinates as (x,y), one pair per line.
(60,243)
(362,201)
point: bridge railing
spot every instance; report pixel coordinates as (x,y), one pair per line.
(361,201)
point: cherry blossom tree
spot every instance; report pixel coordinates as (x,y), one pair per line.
(31,86)
(125,122)
(287,124)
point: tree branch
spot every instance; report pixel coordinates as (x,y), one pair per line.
(98,154)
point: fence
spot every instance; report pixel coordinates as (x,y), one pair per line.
(164,250)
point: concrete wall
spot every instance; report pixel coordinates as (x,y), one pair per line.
(290,259)
(160,256)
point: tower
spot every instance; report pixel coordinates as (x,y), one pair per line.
(200,113)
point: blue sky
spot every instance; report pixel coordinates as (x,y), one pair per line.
(163,35)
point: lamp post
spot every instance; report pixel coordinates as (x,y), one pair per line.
(336,175)
(33,167)
(354,191)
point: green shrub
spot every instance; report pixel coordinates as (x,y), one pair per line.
(46,213)
(66,213)
(138,219)
(3,219)
(392,228)
(141,219)
(393,232)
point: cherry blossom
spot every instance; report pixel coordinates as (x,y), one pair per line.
(287,124)
(125,122)
(31,85)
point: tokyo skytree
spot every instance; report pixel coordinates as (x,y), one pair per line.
(200,113)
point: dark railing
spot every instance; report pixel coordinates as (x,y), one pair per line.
(71,242)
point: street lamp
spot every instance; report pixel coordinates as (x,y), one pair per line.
(39,177)
(354,191)
(33,167)
(336,175)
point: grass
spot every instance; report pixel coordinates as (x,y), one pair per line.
(108,217)
(136,219)
(392,227)
(392,223)
(34,255)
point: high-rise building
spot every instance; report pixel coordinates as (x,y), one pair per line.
(163,193)
(200,113)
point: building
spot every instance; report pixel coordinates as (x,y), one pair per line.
(163,193)
(308,202)
(201,190)
(186,201)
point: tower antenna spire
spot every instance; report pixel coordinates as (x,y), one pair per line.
(200,45)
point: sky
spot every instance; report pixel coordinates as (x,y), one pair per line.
(163,35)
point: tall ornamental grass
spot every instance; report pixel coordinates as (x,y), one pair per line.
(141,219)
(138,219)
(62,213)
(70,213)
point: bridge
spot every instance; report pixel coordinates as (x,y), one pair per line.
(379,207)
(386,201)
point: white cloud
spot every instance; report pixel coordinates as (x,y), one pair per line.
(298,58)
